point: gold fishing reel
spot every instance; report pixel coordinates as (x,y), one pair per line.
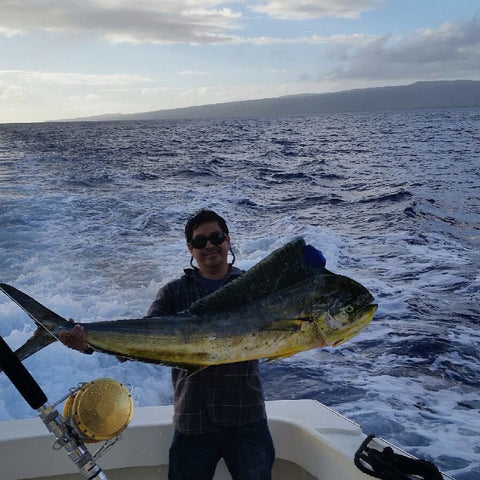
(99,410)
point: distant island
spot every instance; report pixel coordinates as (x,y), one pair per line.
(419,95)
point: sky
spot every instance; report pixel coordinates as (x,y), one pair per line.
(69,58)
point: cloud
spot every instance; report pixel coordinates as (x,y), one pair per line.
(12,93)
(166,21)
(192,73)
(22,87)
(22,76)
(334,41)
(123,21)
(275,71)
(453,47)
(309,9)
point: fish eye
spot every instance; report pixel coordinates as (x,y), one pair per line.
(349,309)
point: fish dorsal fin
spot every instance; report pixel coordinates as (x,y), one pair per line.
(283,267)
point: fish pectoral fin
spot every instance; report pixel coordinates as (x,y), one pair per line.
(284,325)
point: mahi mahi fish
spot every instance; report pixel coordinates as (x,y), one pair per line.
(281,306)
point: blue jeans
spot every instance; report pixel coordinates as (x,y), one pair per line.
(248,452)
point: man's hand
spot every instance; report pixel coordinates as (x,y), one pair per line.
(75,338)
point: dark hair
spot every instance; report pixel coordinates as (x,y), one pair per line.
(203,216)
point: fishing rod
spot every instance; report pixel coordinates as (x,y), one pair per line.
(66,436)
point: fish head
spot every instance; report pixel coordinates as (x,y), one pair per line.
(346,308)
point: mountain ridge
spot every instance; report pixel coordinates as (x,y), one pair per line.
(418,95)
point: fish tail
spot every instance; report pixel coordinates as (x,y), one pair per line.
(45,319)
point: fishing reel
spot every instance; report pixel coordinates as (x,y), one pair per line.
(97,411)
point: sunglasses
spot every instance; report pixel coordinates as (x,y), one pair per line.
(201,242)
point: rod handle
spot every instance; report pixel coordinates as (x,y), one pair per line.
(20,377)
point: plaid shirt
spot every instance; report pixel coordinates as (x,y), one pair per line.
(220,395)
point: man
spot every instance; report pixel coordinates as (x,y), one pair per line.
(219,412)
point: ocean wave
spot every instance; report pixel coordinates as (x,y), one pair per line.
(92,222)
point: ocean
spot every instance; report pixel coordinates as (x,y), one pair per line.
(92,218)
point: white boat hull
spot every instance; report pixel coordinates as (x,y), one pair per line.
(311,442)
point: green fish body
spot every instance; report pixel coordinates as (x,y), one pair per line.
(280,307)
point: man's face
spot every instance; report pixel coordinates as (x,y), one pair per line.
(212,256)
